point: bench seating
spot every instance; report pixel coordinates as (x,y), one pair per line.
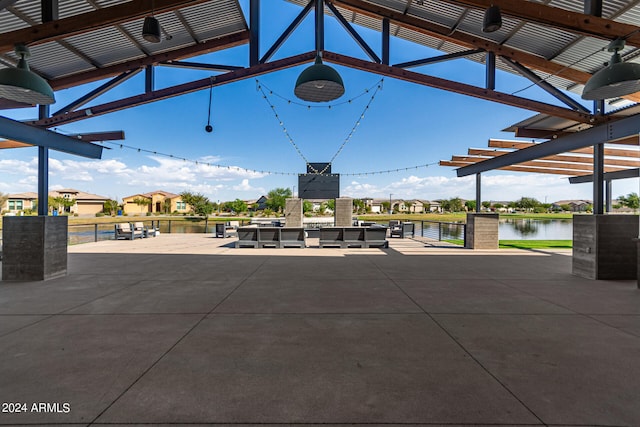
(126,231)
(402,230)
(350,237)
(273,237)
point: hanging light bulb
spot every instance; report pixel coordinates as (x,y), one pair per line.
(20,84)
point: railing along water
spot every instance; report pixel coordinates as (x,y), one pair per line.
(451,232)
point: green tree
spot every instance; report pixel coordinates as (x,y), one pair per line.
(237,206)
(166,206)
(470,205)
(331,204)
(631,201)
(199,203)
(498,205)
(60,203)
(527,203)
(486,204)
(110,207)
(455,204)
(276,199)
(358,206)
(386,206)
(307,206)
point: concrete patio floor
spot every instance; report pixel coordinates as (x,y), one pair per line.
(186,330)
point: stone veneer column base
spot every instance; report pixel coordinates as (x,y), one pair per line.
(34,247)
(604,247)
(481,231)
(293,213)
(344,212)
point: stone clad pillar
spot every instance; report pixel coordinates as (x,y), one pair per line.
(604,247)
(34,247)
(481,231)
(293,213)
(344,212)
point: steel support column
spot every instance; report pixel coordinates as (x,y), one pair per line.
(254,36)
(607,195)
(491,71)
(598,179)
(319,25)
(593,7)
(386,32)
(43,169)
(49,10)
(478,191)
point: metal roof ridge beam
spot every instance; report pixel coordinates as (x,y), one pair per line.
(599,134)
(22,132)
(460,88)
(180,89)
(567,20)
(200,66)
(462,39)
(90,21)
(544,85)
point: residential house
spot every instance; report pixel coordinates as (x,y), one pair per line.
(154,202)
(574,205)
(19,202)
(85,203)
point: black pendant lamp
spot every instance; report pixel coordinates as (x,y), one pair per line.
(20,84)
(618,78)
(492,19)
(319,83)
(151,29)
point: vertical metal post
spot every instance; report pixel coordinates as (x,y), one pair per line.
(478,191)
(43,169)
(206,224)
(49,10)
(254,32)
(169,226)
(149,78)
(607,195)
(598,179)
(491,71)
(385,40)
(319,25)
(593,7)
(95,232)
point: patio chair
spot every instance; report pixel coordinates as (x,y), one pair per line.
(125,231)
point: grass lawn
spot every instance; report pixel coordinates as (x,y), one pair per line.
(536,244)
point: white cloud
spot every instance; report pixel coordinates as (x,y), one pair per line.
(245,186)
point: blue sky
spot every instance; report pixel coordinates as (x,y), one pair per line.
(406,125)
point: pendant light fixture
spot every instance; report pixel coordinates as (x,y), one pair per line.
(492,19)
(151,27)
(618,78)
(319,83)
(20,84)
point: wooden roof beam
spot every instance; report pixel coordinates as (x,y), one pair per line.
(90,21)
(543,163)
(558,157)
(518,168)
(462,88)
(462,39)
(563,19)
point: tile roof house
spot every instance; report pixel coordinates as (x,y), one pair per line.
(158,201)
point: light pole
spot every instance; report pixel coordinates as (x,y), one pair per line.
(390,206)
(293,192)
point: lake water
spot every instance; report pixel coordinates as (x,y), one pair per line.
(535,229)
